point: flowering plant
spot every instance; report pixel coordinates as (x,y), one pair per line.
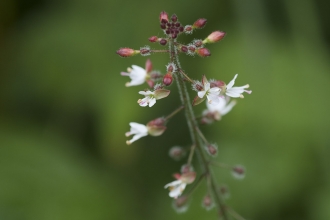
(217,95)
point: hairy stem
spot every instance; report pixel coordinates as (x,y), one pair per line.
(193,128)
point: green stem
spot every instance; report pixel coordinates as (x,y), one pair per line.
(174,113)
(193,128)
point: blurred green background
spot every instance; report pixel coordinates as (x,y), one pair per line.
(64,109)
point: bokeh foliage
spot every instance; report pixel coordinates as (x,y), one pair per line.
(64,109)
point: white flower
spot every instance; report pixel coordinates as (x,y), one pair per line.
(222,108)
(139,130)
(137,74)
(149,98)
(212,94)
(236,92)
(176,188)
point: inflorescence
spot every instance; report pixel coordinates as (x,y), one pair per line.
(217,95)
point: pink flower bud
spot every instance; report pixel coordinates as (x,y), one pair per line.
(177,153)
(168,78)
(153,39)
(214,37)
(156,127)
(126,52)
(200,23)
(203,52)
(148,66)
(171,67)
(212,149)
(145,51)
(184,49)
(174,18)
(207,202)
(180,204)
(163,17)
(186,168)
(238,172)
(163,42)
(198,43)
(188,29)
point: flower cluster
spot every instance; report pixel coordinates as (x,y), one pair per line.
(217,94)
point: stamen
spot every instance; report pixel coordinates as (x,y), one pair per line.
(127,134)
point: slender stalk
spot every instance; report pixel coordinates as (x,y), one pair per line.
(185,75)
(174,113)
(159,51)
(234,214)
(193,128)
(191,154)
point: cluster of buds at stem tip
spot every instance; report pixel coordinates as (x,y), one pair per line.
(176,187)
(172,28)
(154,128)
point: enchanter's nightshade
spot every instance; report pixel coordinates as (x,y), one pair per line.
(217,95)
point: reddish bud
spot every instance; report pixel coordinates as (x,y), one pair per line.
(177,153)
(192,48)
(188,29)
(224,191)
(207,202)
(126,52)
(238,172)
(171,67)
(145,51)
(162,26)
(180,204)
(214,37)
(163,17)
(163,41)
(174,18)
(148,66)
(184,49)
(200,23)
(153,39)
(212,149)
(198,43)
(168,78)
(203,52)
(186,168)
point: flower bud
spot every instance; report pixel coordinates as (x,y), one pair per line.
(163,42)
(207,202)
(186,168)
(127,52)
(180,204)
(224,191)
(156,127)
(238,172)
(198,43)
(163,17)
(212,149)
(203,52)
(145,51)
(171,67)
(153,39)
(200,23)
(214,37)
(168,79)
(148,66)
(177,153)
(188,29)
(184,49)
(174,18)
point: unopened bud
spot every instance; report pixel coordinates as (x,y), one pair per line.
(156,127)
(184,49)
(224,191)
(153,39)
(163,42)
(186,168)
(214,37)
(171,67)
(127,52)
(238,172)
(188,29)
(198,43)
(212,149)
(145,51)
(203,52)
(168,78)
(163,17)
(148,66)
(177,153)
(200,23)
(180,204)
(207,202)
(174,18)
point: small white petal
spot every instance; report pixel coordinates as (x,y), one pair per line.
(232,82)
(201,94)
(174,183)
(152,101)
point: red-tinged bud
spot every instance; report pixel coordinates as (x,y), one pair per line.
(162,26)
(156,127)
(184,49)
(192,48)
(153,39)
(214,37)
(186,168)
(180,204)
(163,42)
(207,202)
(200,23)
(127,52)
(145,51)
(168,79)
(148,66)
(163,17)
(177,153)
(203,52)
(198,43)
(224,191)
(171,67)
(174,18)
(188,29)
(212,149)
(238,172)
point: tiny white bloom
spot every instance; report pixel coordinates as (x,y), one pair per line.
(139,130)
(137,74)
(212,94)
(222,108)
(236,92)
(149,98)
(176,188)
